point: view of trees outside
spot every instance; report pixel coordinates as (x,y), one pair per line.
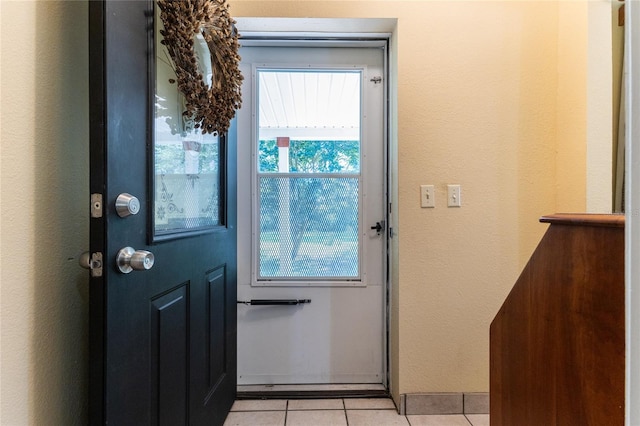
(320,237)
(312,156)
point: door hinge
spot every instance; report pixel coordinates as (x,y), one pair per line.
(96,205)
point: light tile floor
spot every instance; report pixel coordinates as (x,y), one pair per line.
(338,412)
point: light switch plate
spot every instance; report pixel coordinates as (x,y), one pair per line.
(427,196)
(453,196)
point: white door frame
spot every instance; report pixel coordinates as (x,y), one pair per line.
(355,28)
(342,297)
(632,208)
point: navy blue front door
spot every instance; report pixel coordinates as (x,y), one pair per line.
(163,340)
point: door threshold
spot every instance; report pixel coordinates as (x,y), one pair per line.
(309,391)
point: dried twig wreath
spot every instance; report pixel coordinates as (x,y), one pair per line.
(210,106)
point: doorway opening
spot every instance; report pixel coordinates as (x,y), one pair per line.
(312,237)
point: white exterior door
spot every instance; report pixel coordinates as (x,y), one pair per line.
(312,188)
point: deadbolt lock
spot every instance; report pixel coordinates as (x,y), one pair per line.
(127,205)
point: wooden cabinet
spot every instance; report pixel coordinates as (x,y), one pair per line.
(557,343)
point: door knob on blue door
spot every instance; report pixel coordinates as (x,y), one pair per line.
(129,259)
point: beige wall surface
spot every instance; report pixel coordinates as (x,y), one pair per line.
(571,160)
(489,98)
(44,216)
(484,100)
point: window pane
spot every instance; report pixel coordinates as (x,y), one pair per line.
(318,112)
(309,174)
(312,156)
(187,171)
(308,227)
(187,186)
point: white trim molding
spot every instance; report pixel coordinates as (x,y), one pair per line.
(632,208)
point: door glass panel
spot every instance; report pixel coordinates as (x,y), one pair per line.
(187,171)
(308,187)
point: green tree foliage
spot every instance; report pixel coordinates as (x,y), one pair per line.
(312,156)
(324,209)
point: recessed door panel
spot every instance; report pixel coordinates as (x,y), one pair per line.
(216,290)
(169,335)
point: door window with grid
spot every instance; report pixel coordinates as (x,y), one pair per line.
(308,175)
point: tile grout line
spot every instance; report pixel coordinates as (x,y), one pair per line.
(344,407)
(286,412)
(345,411)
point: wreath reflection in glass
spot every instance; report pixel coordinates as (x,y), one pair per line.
(209,104)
